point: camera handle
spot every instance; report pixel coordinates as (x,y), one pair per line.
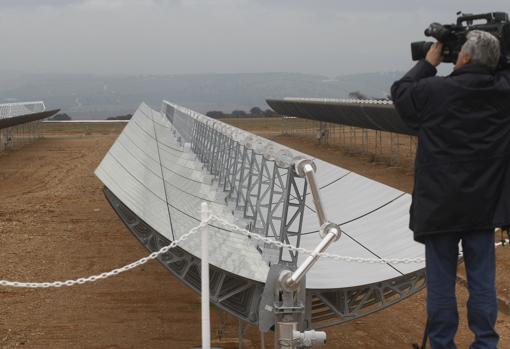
(489,17)
(424,339)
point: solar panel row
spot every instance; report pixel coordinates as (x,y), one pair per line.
(374,115)
(8,110)
(12,114)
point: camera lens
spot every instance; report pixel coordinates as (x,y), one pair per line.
(419,49)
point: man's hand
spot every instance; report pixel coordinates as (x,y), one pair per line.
(435,54)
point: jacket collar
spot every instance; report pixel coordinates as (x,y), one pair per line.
(473,69)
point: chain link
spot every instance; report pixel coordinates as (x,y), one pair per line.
(229,226)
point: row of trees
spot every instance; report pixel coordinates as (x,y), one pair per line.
(65,117)
(253,112)
(121,117)
(359,95)
(60,117)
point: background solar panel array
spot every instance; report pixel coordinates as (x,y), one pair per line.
(369,114)
(9,110)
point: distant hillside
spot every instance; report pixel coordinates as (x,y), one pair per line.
(88,96)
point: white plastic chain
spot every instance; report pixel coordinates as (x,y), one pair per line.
(93,278)
(255,236)
(258,237)
(228,225)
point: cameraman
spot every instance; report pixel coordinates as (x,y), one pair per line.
(462,179)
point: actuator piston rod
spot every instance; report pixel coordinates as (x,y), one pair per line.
(291,281)
(330,232)
(306,168)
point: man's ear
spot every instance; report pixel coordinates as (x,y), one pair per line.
(466,58)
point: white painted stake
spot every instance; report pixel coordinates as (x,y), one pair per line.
(206,322)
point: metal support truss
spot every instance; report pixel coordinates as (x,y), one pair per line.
(19,135)
(242,177)
(269,197)
(333,307)
(292,216)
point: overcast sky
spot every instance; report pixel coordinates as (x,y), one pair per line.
(218,36)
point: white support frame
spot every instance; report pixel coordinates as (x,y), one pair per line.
(9,110)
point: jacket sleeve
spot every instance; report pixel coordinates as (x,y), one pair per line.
(410,95)
(504,75)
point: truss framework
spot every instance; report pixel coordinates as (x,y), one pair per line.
(257,186)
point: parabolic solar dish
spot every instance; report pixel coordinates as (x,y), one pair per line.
(165,163)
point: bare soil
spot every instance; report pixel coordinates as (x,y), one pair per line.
(56,224)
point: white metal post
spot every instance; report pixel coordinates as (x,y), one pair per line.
(206,325)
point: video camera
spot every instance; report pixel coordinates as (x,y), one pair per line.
(453,36)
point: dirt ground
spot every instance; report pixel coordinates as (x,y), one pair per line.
(56,224)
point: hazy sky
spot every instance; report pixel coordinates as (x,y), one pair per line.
(218,36)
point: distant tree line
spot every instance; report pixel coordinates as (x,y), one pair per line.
(121,117)
(362,96)
(60,117)
(65,117)
(253,112)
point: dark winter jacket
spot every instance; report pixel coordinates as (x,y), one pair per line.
(462,175)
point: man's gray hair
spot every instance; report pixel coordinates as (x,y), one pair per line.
(483,47)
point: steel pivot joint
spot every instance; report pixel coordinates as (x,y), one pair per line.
(330,232)
(285,291)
